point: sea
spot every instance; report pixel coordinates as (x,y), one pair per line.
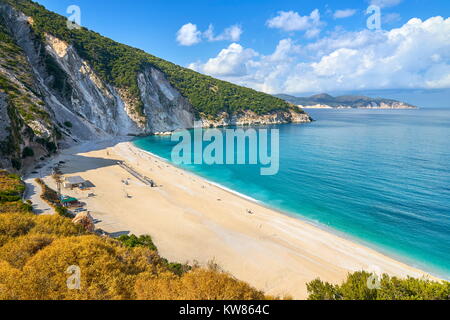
(377,177)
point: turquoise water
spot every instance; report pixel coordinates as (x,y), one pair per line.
(380,177)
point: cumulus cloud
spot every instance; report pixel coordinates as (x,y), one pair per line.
(284,50)
(230,62)
(312,33)
(416,55)
(340,14)
(385,3)
(292,21)
(188,35)
(232,33)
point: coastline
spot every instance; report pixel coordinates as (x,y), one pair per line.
(398,257)
(352,108)
(193,219)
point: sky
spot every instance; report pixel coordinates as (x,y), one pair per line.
(400,48)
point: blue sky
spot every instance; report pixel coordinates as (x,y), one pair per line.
(313,38)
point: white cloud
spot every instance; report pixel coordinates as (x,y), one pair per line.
(232,33)
(340,14)
(292,21)
(385,3)
(414,56)
(230,62)
(312,33)
(284,50)
(188,35)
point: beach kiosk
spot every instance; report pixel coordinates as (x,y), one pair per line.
(69,202)
(74,182)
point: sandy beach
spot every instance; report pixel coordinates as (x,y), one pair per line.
(192,220)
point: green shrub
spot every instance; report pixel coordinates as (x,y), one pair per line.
(11,187)
(63,212)
(27,152)
(16,163)
(178,268)
(390,288)
(68,124)
(146,241)
(133,241)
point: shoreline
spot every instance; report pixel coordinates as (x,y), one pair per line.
(298,216)
(270,249)
(359,108)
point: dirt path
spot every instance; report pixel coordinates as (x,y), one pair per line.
(33,193)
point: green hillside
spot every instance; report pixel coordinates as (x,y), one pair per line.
(119,65)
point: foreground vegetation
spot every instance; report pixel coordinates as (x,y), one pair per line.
(36,252)
(11,190)
(365,286)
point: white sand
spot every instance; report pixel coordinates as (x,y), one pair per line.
(192,220)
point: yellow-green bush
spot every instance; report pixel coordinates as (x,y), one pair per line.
(8,276)
(11,187)
(17,252)
(198,284)
(34,267)
(16,224)
(57,225)
(105,268)
(16,206)
(36,252)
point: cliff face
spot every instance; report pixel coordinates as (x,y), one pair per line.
(165,108)
(250,118)
(56,98)
(5,124)
(91,105)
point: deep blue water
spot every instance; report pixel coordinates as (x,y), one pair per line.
(381,177)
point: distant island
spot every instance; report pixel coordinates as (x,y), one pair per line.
(326,101)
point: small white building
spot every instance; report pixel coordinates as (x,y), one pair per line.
(74,182)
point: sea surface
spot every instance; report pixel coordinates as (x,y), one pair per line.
(378,177)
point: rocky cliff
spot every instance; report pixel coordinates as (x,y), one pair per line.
(52,96)
(250,118)
(78,96)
